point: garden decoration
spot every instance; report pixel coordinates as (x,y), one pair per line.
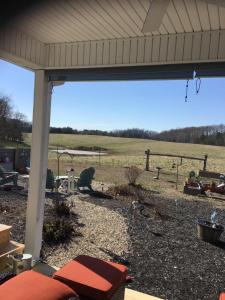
(71,180)
(192,185)
(158,171)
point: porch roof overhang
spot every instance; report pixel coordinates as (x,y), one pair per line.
(54,35)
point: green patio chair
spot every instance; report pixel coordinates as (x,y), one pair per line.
(8,177)
(50,181)
(86,177)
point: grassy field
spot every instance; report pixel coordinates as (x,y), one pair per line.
(124,152)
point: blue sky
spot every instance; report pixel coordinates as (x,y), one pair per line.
(153,105)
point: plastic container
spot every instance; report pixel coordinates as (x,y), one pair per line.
(21,263)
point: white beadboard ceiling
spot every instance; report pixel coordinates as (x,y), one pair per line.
(86,20)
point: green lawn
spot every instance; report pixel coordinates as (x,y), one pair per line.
(127,151)
(124,152)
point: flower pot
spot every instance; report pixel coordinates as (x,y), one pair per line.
(208,231)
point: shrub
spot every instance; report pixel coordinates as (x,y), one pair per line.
(57,231)
(62,209)
(132,173)
(141,195)
(121,190)
(136,191)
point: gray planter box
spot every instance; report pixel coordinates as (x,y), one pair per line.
(207,232)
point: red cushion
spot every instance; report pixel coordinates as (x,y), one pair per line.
(222,296)
(92,277)
(32,285)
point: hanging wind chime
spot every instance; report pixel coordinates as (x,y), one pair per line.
(186,93)
(197,88)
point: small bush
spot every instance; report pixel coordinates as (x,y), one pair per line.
(121,190)
(140,194)
(59,231)
(62,209)
(132,173)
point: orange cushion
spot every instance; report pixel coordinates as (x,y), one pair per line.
(92,277)
(222,296)
(32,285)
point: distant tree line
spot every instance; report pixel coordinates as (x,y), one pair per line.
(127,133)
(208,135)
(12,123)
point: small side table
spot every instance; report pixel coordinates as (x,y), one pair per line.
(26,182)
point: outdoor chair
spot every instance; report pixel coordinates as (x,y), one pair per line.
(50,181)
(31,285)
(94,278)
(85,180)
(8,177)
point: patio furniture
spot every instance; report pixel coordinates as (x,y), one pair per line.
(50,182)
(8,177)
(31,285)
(7,247)
(85,180)
(94,278)
(25,179)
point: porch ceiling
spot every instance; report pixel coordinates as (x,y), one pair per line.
(64,34)
(84,20)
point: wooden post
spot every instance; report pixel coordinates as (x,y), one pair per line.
(147,159)
(205,162)
(177,176)
(58,157)
(99,157)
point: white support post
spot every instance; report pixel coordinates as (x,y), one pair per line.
(39,162)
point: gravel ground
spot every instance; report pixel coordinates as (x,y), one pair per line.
(158,240)
(103,232)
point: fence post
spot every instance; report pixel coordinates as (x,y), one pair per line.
(147,152)
(205,162)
